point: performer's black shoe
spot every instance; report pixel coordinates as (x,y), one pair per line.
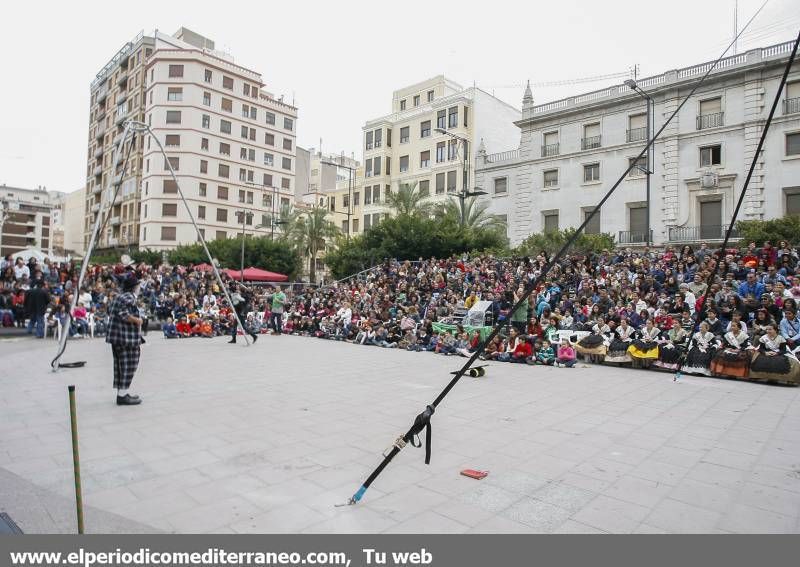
(255,338)
(128,400)
(232,341)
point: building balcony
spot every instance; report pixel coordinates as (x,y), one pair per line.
(117,139)
(633,237)
(98,171)
(122,97)
(95,207)
(700,233)
(98,153)
(113,241)
(123,79)
(791,105)
(637,134)
(102,93)
(100,132)
(100,114)
(114,221)
(714,120)
(97,189)
(550,150)
(590,143)
(120,118)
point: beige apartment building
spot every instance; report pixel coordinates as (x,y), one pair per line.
(230,142)
(26,219)
(430,138)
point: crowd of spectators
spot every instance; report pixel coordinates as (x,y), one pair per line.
(620,306)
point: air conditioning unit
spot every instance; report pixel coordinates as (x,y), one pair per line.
(709,180)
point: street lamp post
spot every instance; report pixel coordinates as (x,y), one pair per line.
(245,214)
(349,190)
(464,172)
(633,86)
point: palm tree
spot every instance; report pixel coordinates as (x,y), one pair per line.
(475,214)
(408,201)
(309,232)
(287,219)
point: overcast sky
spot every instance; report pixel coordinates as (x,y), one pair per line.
(340,61)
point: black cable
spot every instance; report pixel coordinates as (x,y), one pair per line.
(702,306)
(533,284)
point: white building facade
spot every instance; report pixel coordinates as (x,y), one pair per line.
(572,151)
(407,146)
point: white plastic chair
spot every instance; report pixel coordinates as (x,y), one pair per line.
(90,321)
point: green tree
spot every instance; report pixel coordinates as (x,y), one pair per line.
(475,214)
(552,241)
(260,252)
(786,228)
(408,200)
(309,234)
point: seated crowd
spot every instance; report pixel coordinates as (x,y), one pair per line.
(623,307)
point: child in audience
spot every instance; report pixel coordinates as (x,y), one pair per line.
(566,356)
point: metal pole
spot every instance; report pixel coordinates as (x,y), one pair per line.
(649,169)
(76,461)
(272,216)
(350,199)
(241,271)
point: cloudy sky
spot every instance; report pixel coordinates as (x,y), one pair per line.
(340,61)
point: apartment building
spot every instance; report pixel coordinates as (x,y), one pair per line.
(327,173)
(571,151)
(69,224)
(26,219)
(428,138)
(230,142)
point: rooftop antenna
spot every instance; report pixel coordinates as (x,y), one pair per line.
(735,26)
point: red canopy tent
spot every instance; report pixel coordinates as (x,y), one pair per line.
(204,267)
(252,274)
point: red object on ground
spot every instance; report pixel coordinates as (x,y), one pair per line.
(478,475)
(256,275)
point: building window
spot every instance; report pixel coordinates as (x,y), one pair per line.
(222,215)
(440,183)
(403,164)
(451,181)
(594,225)
(377,165)
(287,144)
(440,152)
(269,159)
(637,223)
(227,83)
(206,121)
(793,144)
(270,117)
(550,144)
(269,139)
(639,168)
(175,94)
(224,149)
(204,144)
(288,123)
(425,129)
(203,189)
(201,211)
(207,99)
(791,103)
(169,209)
(430,96)
(550,221)
(591,136)
(223,171)
(402,107)
(241,195)
(368,168)
(203,166)
(173,116)
(175,162)
(224,126)
(441,119)
(466,116)
(452,149)
(710,155)
(368,144)
(367,196)
(245,111)
(167,232)
(792,201)
(176,70)
(711,115)
(222,193)
(170,186)
(637,128)
(425,158)
(355,225)
(591,172)
(500,185)
(286,163)
(356,196)
(285,184)
(404,134)
(376,194)
(208,76)
(221,235)
(388,165)
(550,177)
(452,117)
(416,100)
(172,140)
(367,220)
(226,104)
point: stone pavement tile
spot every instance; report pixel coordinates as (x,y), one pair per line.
(771,499)
(155,486)
(491,498)
(731,459)
(677,456)
(644,528)
(717,474)
(584,482)
(573,527)
(691,442)
(518,482)
(612,515)
(155,511)
(732,442)
(780,458)
(546,466)
(208,517)
(679,517)
(428,522)
(185,462)
(223,488)
(564,496)
(705,495)
(638,491)
(777,478)
(110,498)
(402,505)
(291,518)
(602,469)
(644,441)
(747,520)
(626,454)
(542,517)
(352,520)
(501,525)
(662,473)
(463,513)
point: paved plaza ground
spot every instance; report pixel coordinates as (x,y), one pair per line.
(269,438)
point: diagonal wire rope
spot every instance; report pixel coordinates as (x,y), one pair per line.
(422,421)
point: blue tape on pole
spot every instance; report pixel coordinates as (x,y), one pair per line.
(357,496)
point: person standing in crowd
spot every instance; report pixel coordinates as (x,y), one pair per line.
(124,336)
(36,301)
(242,306)
(276,310)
